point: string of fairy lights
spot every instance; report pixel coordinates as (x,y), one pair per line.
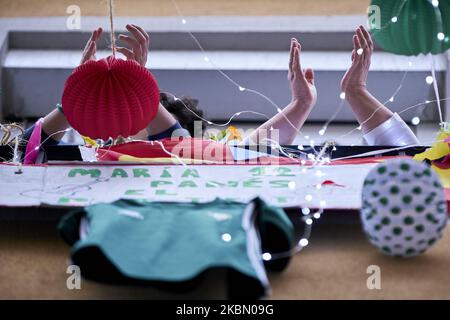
(310,162)
(415,121)
(431,80)
(308,215)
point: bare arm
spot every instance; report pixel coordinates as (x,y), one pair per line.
(369,112)
(55,124)
(284,126)
(288,122)
(163,121)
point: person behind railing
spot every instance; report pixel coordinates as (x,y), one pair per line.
(379,125)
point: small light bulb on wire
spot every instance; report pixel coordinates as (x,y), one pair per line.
(241,88)
(267,256)
(309,221)
(435,3)
(394,19)
(303,242)
(429,80)
(321,132)
(415,121)
(342,96)
(226,237)
(306,211)
(440,36)
(391,99)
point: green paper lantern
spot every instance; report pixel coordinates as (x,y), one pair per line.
(411,27)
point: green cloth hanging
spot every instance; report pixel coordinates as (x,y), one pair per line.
(171,245)
(416,29)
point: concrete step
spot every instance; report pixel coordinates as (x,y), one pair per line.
(38,54)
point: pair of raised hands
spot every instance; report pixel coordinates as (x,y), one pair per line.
(139,42)
(301,81)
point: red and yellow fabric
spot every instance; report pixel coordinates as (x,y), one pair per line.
(439,155)
(180,150)
(199,151)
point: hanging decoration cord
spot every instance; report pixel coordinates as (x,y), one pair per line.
(436,89)
(111,21)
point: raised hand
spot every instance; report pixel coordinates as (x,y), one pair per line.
(356,76)
(303,90)
(139,43)
(91,46)
(288,121)
(369,112)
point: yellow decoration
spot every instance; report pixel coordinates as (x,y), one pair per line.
(89,142)
(229,134)
(444,175)
(235,134)
(438,150)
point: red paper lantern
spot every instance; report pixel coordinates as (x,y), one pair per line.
(110,97)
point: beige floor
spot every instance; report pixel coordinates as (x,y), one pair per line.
(18,8)
(33,265)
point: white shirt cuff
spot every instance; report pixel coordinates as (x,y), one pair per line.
(392,132)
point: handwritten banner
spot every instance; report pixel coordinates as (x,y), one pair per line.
(285,186)
(21,187)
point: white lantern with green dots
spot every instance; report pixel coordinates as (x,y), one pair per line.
(404,210)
